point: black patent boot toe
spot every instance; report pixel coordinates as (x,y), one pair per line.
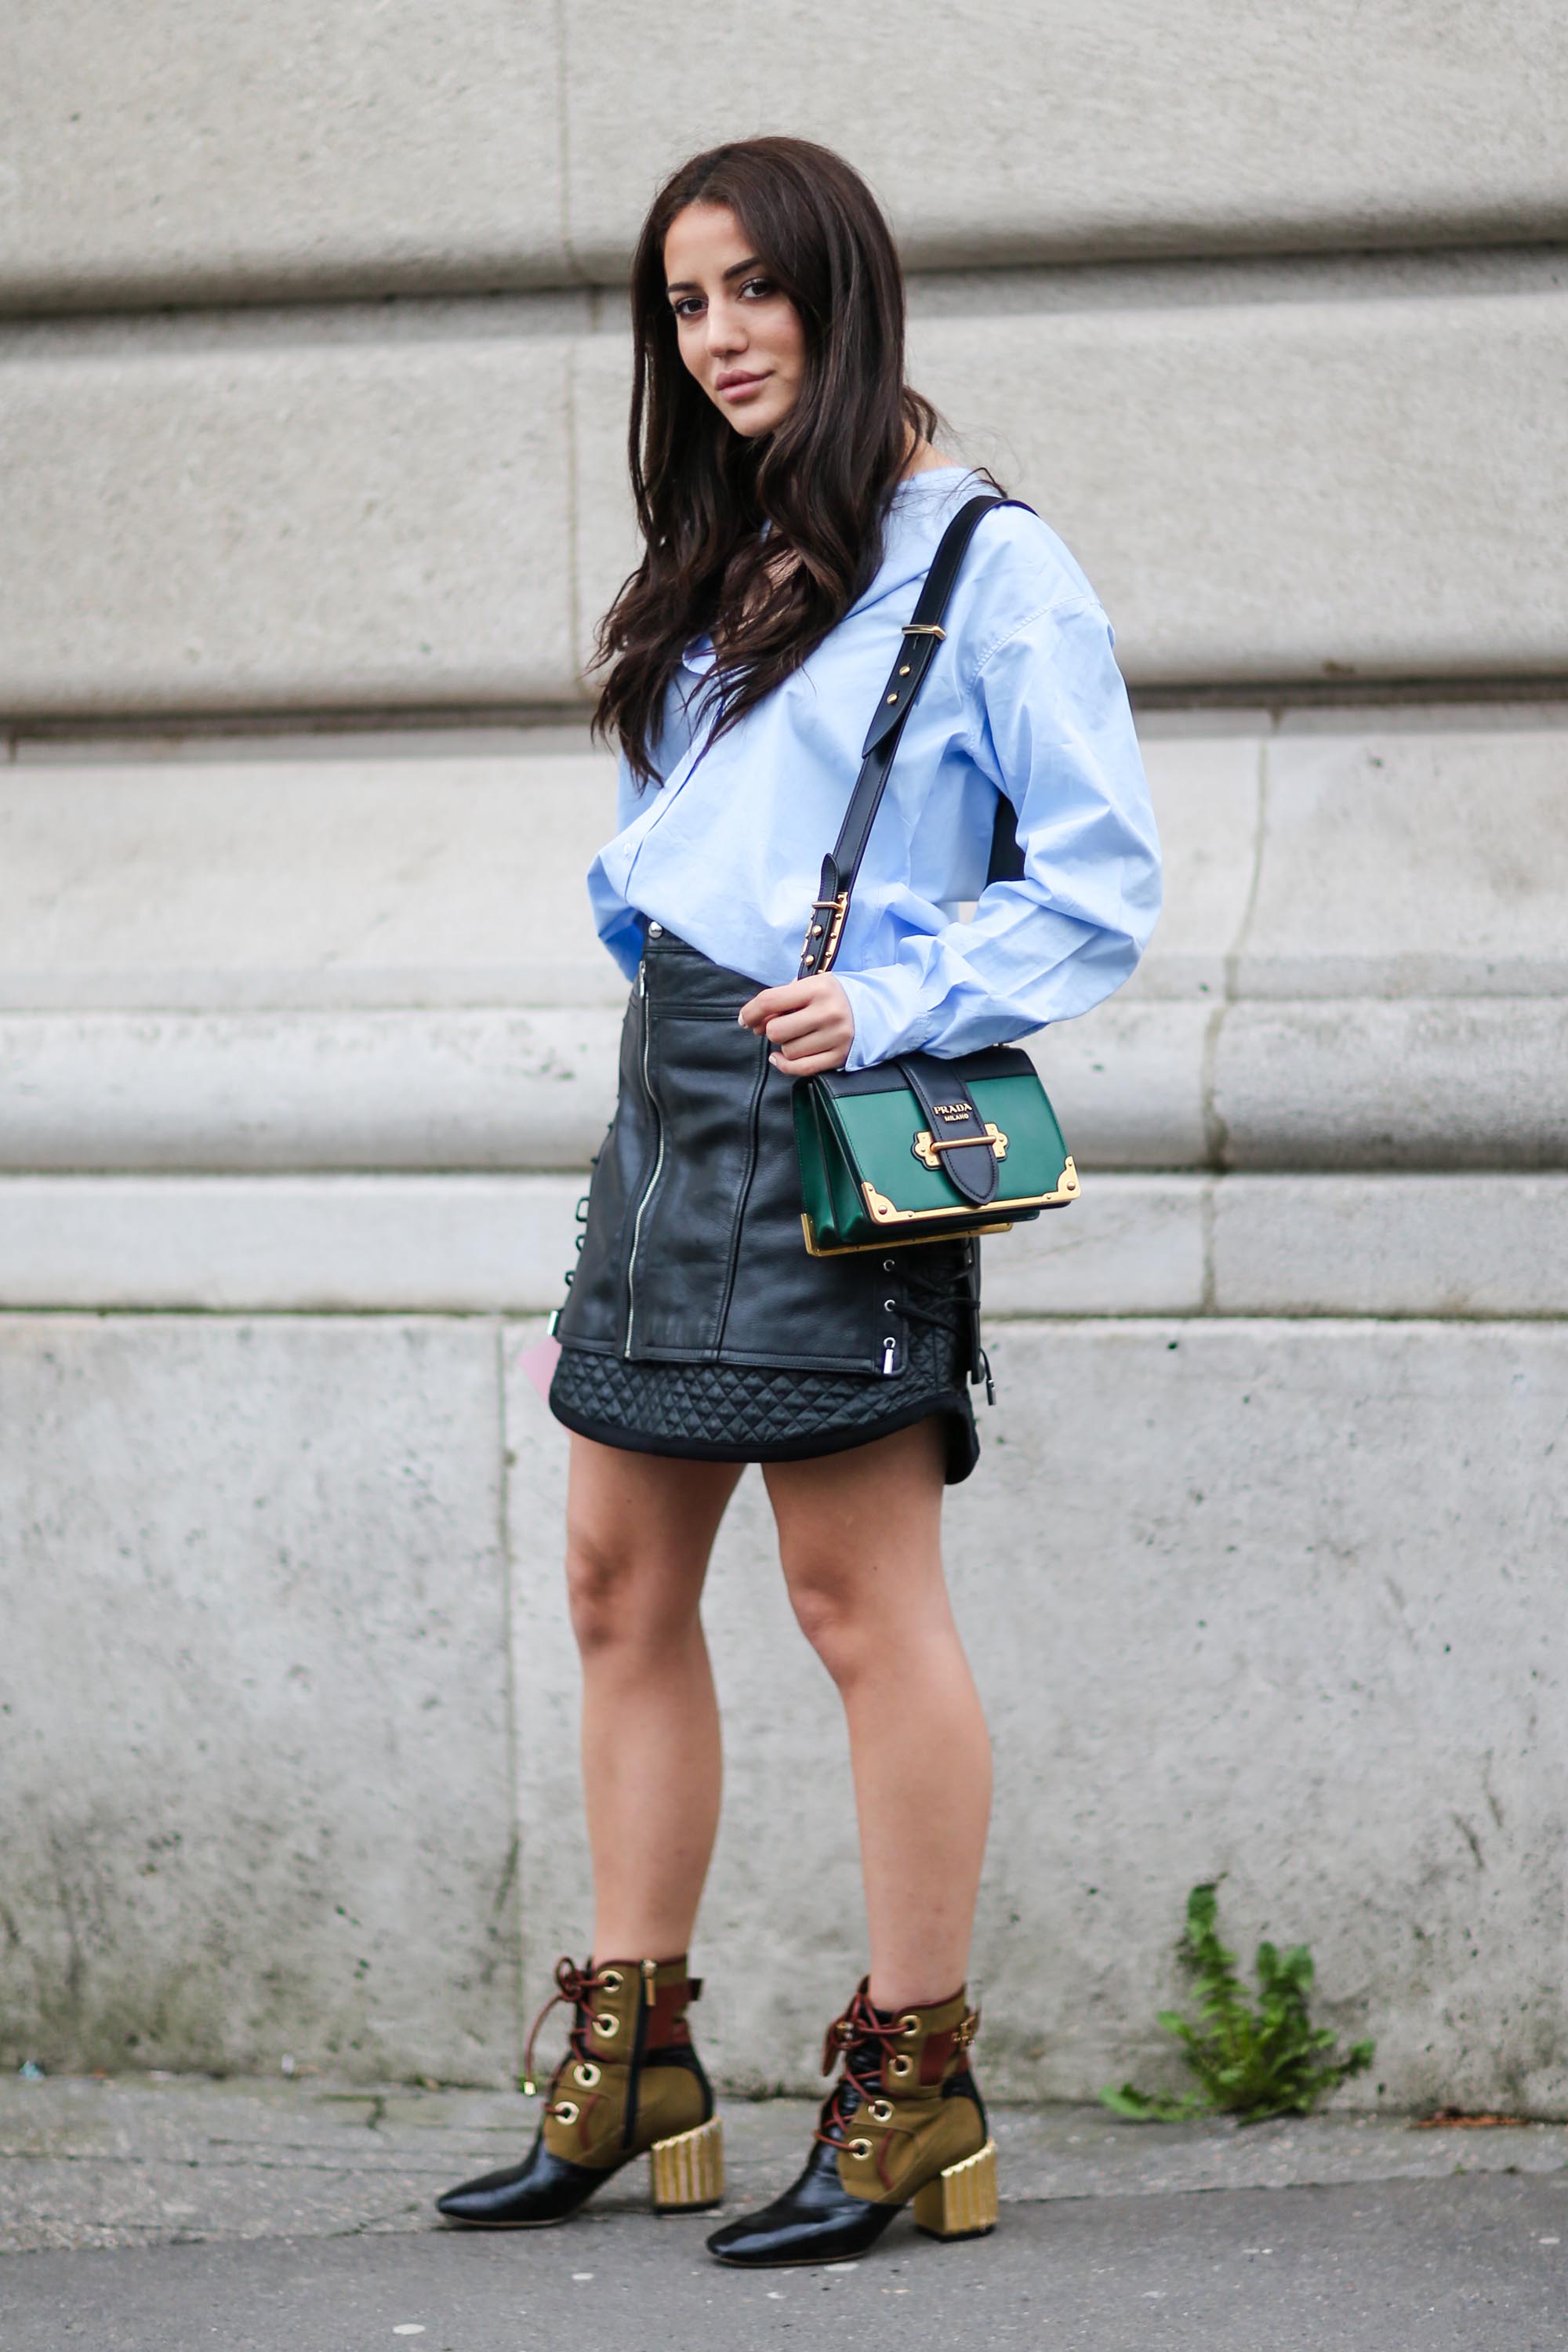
(630,2085)
(543,2189)
(816,2221)
(903,2126)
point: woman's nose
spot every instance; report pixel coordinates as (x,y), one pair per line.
(726,331)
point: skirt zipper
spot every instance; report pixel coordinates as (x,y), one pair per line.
(658,1164)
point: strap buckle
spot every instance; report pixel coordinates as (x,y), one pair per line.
(921,629)
(818,958)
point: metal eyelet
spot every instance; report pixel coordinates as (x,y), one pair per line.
(900,2067)
(881,2111)
(612,1979)
(889,1306)
(608,2024)
(858,2147)
(908,2025)
(564,2111)
(585,2075)
(887,1265)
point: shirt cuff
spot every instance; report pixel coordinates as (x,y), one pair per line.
(882,1027)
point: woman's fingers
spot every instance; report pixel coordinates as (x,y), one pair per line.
(787,1028)
(768,1002)
(806,1065)
(808,1023)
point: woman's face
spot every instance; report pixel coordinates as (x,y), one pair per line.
(741,336)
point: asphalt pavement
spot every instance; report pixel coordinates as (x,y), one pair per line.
(163,2216)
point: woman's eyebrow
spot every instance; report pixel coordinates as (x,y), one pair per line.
(736,270)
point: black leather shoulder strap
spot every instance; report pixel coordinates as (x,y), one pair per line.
(923,633)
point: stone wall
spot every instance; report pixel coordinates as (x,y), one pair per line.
(313,393)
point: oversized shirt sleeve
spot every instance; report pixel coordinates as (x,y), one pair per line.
(1051,728)
(620,927)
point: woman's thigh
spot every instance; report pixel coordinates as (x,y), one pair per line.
(860,1531)
(639,1529)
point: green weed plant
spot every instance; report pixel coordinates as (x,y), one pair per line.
(1250,2063)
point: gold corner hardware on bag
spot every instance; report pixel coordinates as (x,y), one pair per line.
(884,1211)
(926,1145)
(854,1249)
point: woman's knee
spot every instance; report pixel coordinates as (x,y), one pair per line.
(865,1615)
(622,1595)
(834,1611)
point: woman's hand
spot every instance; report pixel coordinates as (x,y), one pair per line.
(808,1020)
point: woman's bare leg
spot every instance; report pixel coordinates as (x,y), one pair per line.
(859,1536)
(639,1528)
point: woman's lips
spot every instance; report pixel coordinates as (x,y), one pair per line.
(739,387)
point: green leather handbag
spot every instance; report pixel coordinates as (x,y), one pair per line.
(922,1148)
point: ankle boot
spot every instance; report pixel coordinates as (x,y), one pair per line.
(630,2085)
(902,2125)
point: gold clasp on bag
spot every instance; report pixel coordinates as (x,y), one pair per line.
(926,1145)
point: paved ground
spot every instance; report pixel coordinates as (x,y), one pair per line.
(148,2216)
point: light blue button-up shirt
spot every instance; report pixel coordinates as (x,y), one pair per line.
(1023,698)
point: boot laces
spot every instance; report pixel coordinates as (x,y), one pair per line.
(862,2039)
(576,1986)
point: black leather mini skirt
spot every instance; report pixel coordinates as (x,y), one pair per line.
(697,1323)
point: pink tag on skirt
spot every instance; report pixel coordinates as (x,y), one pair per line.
(539,1362)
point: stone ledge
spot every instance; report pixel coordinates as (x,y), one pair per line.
(1421,1087)
(1135,1245)
(307,564)
(426,146)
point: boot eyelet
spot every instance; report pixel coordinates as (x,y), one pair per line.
(585,2075)
(900,2067)
(564,2111)
(881,2111)
(608,2024)
(612,1981)
(908,2025)
(858,2147)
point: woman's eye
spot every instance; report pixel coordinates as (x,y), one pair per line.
(758,288)
(688,306)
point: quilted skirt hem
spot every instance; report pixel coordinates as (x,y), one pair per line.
(833,1434)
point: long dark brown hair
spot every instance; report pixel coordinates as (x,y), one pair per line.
(821,479)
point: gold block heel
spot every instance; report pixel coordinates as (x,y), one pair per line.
(962,2201)
(689,2170)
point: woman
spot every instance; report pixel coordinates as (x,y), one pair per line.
(791,499)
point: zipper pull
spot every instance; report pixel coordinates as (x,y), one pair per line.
(642,975)
(890,1350)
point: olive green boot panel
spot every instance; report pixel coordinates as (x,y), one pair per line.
(896,2145)
(587,2125)
(636,2016)
(909,2124)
